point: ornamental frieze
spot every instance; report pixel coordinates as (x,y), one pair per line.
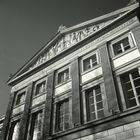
(66,42)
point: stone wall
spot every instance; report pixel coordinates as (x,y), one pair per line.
(129,131)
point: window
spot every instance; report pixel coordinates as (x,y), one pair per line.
(40,88)
(62,115)
(20,98)
(14,131)
(122,44)
(63,76)
(94,103)
(131,88)
(90,62)
(36,125)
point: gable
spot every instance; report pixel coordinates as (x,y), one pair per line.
(69,37)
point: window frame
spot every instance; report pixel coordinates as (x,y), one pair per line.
(11,128)
(88,56)
(122,92)
(131,41)
(55,119)
(60,71)
(91,85)
(17,94)
(30,127)
(36,85)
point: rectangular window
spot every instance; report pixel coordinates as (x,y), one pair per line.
(90,62)
(36,125)
(14,131)
(94,103)
(122,44)
(131,88)
(20,98)
(63,76)
(40,88)
(62,115)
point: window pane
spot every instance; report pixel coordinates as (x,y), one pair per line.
(126,78)
(139,99)
(137,82)
(94,60)
(99,98)
(121,46)
(86,64)
(138,90)
(99,105)
(92,108)
(92,116)
(130,94)
(89,62)
(128,86)
(63,76)
(14,132)
(36,126)
(100,114)
(132,103)
(125,43)
(62,116)
(20,98)
(117,48)
(91,100)
(40,88)
(135,74)
(94,102)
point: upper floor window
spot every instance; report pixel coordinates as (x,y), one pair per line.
(63,76)
(90,62)
(94,103)
(40,88)
(122,44)
(20,97)
(131,88)
(62,115)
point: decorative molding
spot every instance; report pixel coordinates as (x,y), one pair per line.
(67,41)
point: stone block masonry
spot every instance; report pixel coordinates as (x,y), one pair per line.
(129,131)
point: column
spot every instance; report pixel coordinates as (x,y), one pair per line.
(48,119)
(25,116)
(75,75)
(108,80)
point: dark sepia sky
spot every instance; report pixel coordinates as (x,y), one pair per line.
(26,25)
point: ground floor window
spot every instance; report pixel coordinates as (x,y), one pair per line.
(63,115)
(36,125)
(14,131)
(94,103)
(131,88)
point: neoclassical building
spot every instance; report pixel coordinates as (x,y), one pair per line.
(84,84)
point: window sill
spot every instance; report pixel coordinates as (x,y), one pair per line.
(61,84)
(16,106)
(124,53)
(40,94)
(91,69)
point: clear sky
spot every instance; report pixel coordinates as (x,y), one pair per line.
(26,25)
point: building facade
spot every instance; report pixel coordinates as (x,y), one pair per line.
(84,84)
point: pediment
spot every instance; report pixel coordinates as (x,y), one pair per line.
(68,38)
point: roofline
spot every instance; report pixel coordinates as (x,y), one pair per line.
(58,34)
(131,7)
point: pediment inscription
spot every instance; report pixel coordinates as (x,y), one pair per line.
(66,42)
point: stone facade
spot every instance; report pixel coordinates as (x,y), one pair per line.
(83,85)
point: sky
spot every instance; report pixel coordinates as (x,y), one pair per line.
(26,25)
